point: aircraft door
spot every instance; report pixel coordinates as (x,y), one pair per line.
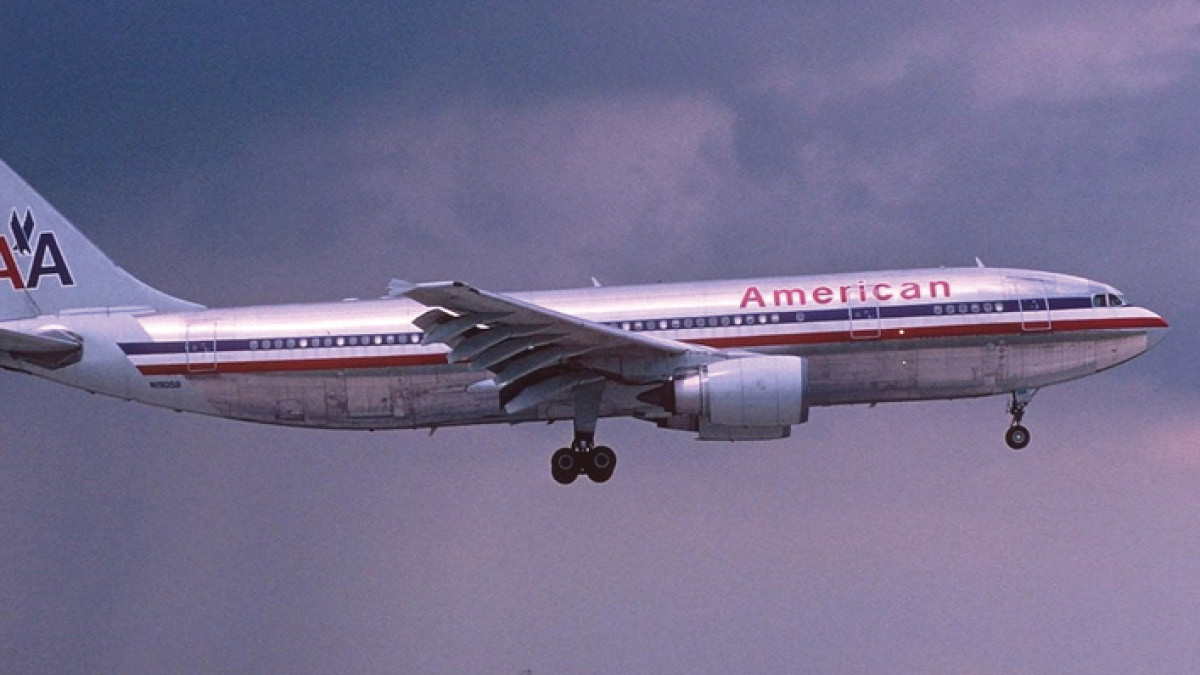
(201,347)
(1032,303)
(864,315)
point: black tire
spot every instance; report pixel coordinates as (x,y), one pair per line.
(564,466)
(603,463)
(1017,437)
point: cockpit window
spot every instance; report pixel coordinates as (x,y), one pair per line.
(1109,300)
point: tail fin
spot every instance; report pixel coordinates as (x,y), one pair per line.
(47,266)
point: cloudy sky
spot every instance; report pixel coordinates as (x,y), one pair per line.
(301,151)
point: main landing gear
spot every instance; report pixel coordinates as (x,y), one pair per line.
(1017,436)
(597,461)
(584,456)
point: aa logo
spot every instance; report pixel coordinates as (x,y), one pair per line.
(44,255)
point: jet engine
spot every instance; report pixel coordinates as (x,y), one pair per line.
(755,391)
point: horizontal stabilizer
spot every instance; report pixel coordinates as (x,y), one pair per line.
(38,343)
(54,348)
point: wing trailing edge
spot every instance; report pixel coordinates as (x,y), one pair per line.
(536,353)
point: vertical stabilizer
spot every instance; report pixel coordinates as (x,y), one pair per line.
(47,266)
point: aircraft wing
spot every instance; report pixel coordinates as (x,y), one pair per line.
(535,352)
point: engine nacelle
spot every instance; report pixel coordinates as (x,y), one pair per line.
(756,391)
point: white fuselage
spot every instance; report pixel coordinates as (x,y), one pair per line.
(868,337)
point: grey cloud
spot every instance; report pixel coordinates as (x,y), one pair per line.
(1111,50)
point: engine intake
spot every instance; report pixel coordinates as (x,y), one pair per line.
(757,391)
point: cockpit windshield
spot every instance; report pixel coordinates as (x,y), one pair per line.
(1109,300)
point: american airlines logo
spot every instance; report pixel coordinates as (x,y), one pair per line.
(860,292)
(43,252)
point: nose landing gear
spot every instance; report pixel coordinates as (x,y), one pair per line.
(1017,436)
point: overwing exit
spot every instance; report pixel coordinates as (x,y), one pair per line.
(733,360)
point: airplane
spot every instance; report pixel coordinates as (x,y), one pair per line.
(734,360)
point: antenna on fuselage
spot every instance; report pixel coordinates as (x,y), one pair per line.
(978,262)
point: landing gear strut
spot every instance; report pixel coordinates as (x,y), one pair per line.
(584,456)
(1017,436)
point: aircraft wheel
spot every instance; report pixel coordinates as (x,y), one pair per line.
(564,466)
(1017,437)
(604,462)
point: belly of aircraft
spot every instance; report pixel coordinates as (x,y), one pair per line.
(882,372)
(366,399)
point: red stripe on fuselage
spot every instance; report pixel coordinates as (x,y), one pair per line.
(741,342)
(926,332)
(296,365)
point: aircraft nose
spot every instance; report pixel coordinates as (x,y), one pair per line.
(1157,332)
